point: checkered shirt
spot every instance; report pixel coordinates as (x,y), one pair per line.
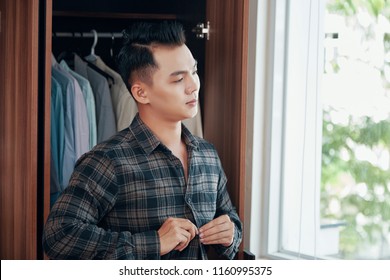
(123,190)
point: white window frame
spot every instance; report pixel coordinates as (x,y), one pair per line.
(286,41)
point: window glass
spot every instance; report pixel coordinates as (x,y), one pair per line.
(355,97)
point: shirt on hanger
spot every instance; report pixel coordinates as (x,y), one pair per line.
(89,103)
(105,117)
(125,107)
(57,128)
(75,119)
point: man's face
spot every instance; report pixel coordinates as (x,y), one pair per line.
(174,93)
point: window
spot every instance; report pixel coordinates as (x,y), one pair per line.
(355,181)
(326,174)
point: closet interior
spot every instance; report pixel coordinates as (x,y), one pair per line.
(73,24)
(85,43)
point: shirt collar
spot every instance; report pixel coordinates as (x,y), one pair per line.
(189,139)
(149,142)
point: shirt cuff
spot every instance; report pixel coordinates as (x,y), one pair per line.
(231,251)
(146,245)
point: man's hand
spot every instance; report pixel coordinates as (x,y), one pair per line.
(218,231)
(175,234)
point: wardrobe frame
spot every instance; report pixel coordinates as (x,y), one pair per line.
(26,36)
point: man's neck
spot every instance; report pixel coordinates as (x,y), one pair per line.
(168,132)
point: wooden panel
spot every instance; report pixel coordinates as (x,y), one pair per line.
(18,126)
(45,97)
(226,89)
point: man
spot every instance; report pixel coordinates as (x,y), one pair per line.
(153,191)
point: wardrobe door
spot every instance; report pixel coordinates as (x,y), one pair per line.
(18,126)
(224,81)
(225,90)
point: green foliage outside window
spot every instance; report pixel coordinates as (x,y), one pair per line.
(356,190)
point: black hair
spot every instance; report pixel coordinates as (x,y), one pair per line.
(136,56)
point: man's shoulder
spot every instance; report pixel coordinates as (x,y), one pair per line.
(122,146)
(205,146)
(121,140)
(203,142)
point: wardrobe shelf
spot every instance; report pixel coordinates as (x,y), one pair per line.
(113,15)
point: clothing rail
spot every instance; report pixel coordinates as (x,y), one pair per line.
(88,34)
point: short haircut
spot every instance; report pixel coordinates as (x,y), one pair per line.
(135,58)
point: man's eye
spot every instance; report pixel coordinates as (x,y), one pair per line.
(195,72)
(178,81)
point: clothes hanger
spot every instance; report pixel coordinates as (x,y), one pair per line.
(68,57)
(69,54)
(112,45)
(100,71)
(91,58)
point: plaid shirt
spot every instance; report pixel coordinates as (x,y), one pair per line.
(123,190)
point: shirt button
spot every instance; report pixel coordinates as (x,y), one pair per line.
(189,200)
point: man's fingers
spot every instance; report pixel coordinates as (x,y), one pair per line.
(190,231)
(222,220)
(185,224)
(216,228)
(218,231)
(176,234)
(184,239)
(190,227)
(217,238)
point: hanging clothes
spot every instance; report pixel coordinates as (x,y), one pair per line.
(105,117)
(125,107)
(89,103)
(57,128)
(76,132)
(55,188)
(57,139)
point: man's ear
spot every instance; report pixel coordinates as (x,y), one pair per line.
(139,92)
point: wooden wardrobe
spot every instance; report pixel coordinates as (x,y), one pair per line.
(26,45)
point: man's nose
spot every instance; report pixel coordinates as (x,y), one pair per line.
(193,84)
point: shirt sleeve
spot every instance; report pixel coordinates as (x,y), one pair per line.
(225,206)
(72,229)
